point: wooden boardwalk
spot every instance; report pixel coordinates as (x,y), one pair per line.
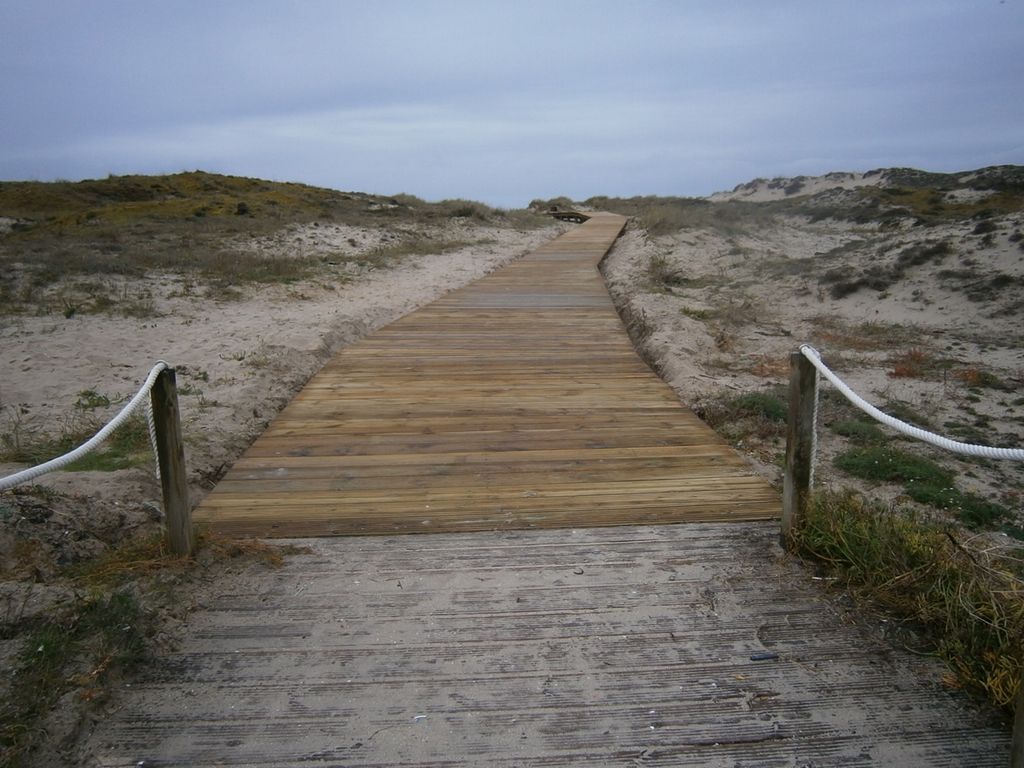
(516,402)
(673,645)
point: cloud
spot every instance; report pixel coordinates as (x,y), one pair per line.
(508,101)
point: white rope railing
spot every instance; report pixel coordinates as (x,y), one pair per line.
(968,449)
(96,440)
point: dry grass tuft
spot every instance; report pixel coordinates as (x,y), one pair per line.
(832,332)
(149,556)
(770,366)
(224,547)
(912,364)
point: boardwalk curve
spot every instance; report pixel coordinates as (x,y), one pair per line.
(515,402)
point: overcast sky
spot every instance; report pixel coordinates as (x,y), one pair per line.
(508,101)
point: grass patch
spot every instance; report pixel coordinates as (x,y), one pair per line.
(127,447)
(860,432)
(392,253)
(891,465)
(752,414)
(967,603)
(904,412)
(866,336)
(103,634)
(923,480)
(763,404)
(973,510)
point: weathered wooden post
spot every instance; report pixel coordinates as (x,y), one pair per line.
(1017,747)
(803,384)
(171,458)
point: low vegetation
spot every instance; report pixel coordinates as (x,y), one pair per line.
(923,480)
(844,281)
(128,446)
(865,336)
(81,247)
(753,414)
(954,596)
(22,440)
(75,652)
(69,657)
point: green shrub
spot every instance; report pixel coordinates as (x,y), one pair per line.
(971,509)
(758,414)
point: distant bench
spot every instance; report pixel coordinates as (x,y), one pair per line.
(573,216)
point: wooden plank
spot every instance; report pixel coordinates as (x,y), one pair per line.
(517,401)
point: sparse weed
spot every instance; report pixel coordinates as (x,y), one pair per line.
(388,255)
(865,336)
(696,314)
(977,378)
(90,400)
(663,273)
(905,412)
(770,366)
(259,357)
